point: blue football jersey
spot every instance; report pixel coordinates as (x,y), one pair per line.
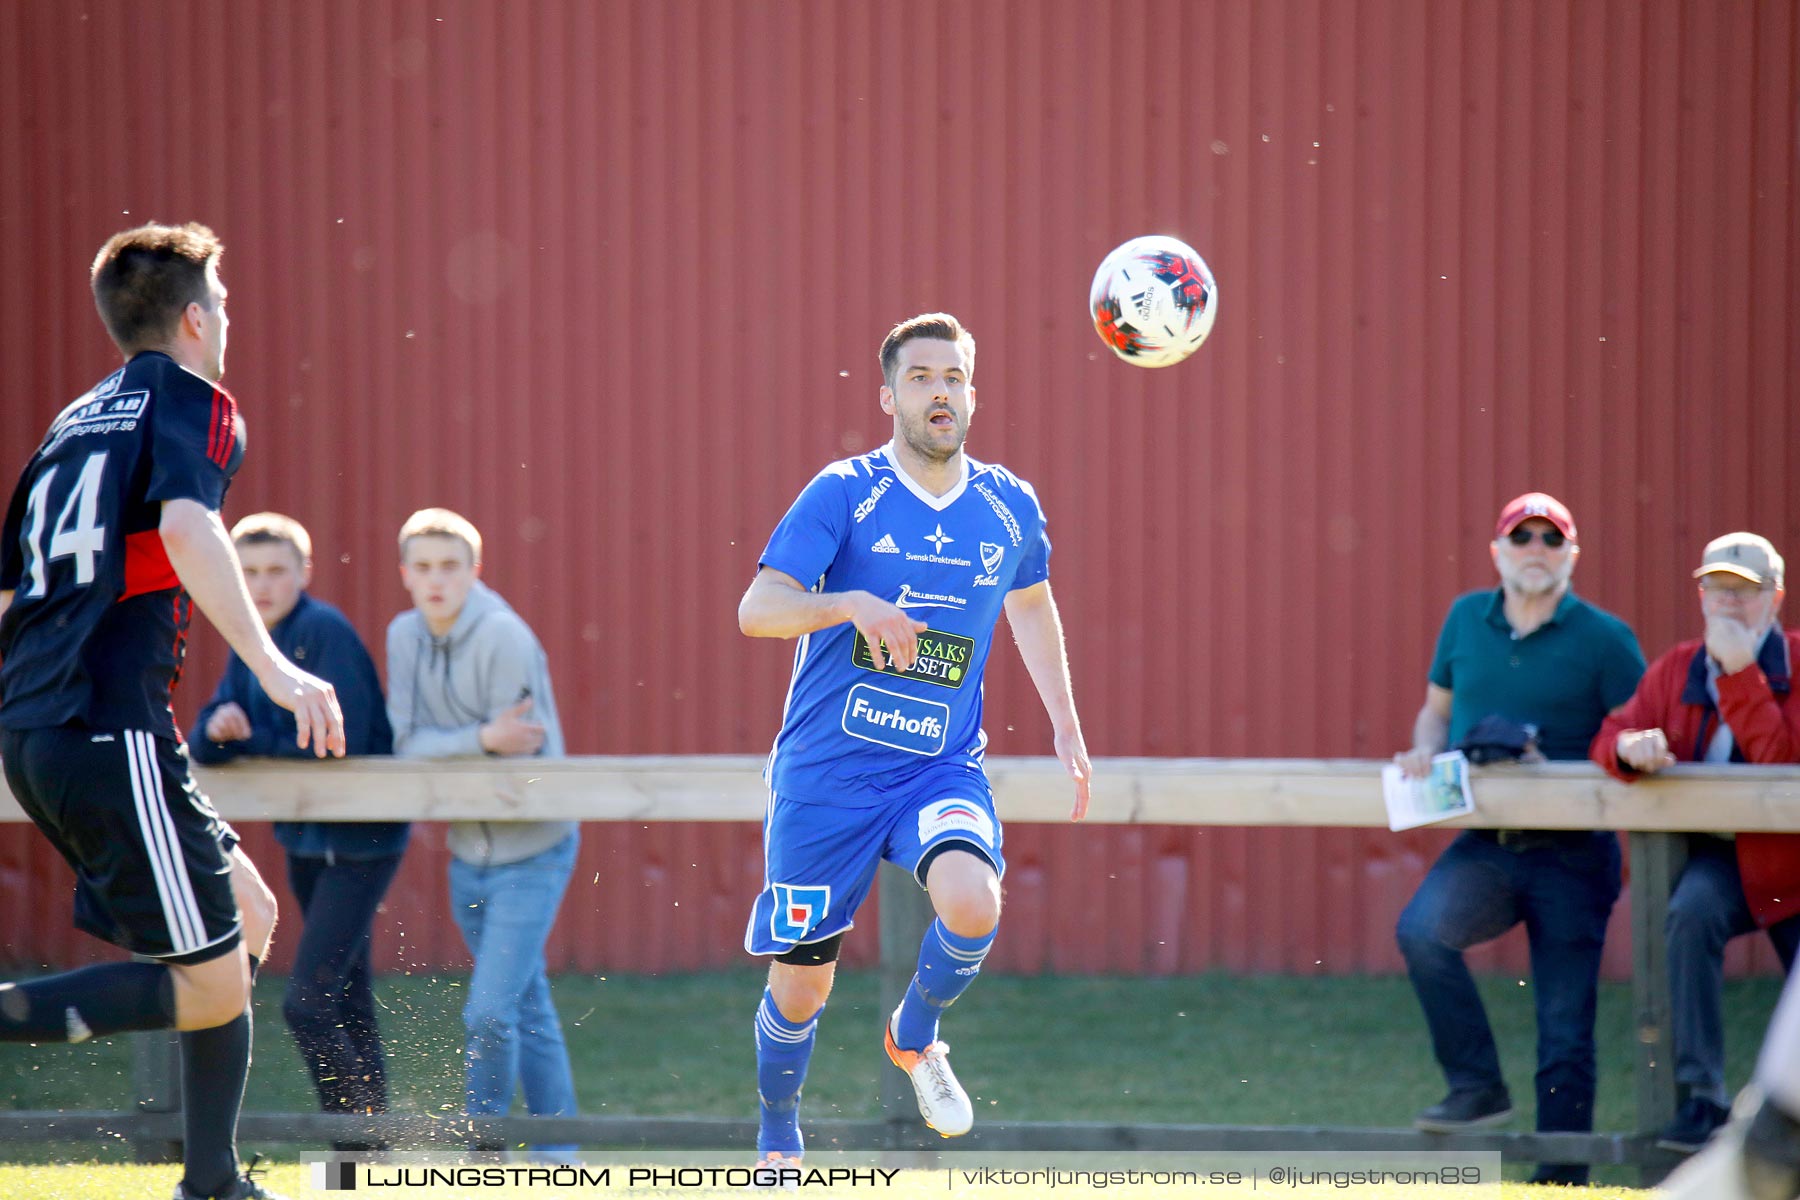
(849,733)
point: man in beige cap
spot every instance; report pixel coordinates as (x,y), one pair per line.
(1724,697)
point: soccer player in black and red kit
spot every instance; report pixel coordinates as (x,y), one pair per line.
(112,537)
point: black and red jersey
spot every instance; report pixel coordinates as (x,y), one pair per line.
(97,628)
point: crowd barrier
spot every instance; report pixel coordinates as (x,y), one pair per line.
(1223,792)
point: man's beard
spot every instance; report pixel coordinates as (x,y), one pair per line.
(919,441)
(1540,583)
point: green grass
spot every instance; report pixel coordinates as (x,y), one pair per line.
(1204,1049)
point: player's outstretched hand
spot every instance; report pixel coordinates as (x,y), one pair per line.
(886,627)
(319,722)
(1071,749)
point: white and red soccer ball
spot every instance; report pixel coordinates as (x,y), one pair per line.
(1153,301)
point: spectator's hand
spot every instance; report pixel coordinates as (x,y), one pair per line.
(318,721)
(1645,750)
(1731,643)
(228,723)
(1415,763)
(886,627)
(511,733)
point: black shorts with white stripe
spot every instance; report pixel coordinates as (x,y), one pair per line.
(152,859)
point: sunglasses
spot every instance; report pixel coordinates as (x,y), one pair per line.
(1552,538)
(1743,593)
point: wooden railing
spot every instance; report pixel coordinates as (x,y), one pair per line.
(1142,791)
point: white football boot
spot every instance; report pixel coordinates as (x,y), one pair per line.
(942,1101)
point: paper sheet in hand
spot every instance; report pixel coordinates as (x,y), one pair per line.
(1439,796)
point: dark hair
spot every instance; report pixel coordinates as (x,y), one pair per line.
(941,326)
(143,278)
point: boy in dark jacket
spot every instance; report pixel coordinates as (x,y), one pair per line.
(339,871)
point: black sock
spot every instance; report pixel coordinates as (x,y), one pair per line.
(214,1065)
(255,966)
(91,1002)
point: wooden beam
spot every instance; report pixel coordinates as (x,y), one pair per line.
(1127,791)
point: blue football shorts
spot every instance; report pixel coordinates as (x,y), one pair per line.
(819,860)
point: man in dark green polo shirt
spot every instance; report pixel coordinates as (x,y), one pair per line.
(1533,653)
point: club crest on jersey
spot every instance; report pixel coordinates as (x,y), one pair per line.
(798,910)
(962,816)
(992,556)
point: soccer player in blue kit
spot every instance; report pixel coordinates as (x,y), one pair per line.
(891,570)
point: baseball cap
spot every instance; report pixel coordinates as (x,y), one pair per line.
(1745,555)
(1535,504)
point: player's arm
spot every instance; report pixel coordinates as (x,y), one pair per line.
(1037,628)
(1431,732)
(777,606)
(200,550)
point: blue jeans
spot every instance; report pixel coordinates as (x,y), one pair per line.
(1706,910)
(330,1000)
(514,1038)
(1562,887)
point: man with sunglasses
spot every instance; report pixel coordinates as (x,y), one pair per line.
(1531,653)
(1724,697)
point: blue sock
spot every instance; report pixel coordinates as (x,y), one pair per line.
(948,964)
(783,1049)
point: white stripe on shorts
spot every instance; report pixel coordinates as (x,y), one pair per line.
(186,930)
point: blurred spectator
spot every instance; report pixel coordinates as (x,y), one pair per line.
(467,677)
(1529,653)
(339,871)
(1724,697)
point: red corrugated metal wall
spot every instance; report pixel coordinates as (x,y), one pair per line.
(609,278)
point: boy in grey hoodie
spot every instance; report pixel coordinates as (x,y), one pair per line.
(466,677)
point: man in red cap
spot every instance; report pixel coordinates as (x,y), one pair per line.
(1527,661)
(1724,697)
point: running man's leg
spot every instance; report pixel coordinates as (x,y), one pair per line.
(158,873)
(952,844)
(819,863)
(787,1024)
(965,893)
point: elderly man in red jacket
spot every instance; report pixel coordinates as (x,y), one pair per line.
(1726,697)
